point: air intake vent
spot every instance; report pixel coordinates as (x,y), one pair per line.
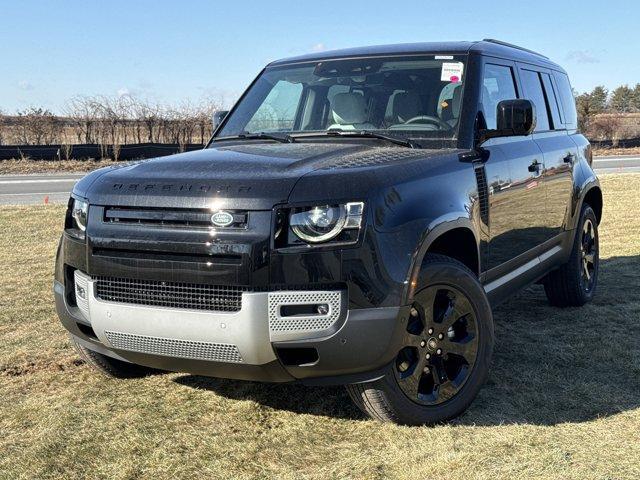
(170,347)
(170,294)
(170,217)
(483,194)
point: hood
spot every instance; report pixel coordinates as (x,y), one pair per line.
(243,176)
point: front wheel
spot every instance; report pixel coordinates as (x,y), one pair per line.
(445,354)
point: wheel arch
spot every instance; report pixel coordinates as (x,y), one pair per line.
(455,239)
(593,196)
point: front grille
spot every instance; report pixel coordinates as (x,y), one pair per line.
(167,217)
(172,347)
(170,294)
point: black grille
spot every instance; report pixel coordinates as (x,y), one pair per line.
(200,218)
(483,194)
(170,294)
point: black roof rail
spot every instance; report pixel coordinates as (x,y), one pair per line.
(506,44)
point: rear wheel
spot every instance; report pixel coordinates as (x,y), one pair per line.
(574,283)
(446,352)
(111,367)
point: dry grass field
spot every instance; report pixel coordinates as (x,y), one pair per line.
(563,400)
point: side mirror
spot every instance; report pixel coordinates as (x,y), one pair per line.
(513,118)
(218,117)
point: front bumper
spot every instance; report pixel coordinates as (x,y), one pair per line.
(257,342)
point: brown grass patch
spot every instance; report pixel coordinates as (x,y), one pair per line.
(606,152)
(563,399)
(19,167)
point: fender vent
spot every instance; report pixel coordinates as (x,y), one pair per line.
(483,193)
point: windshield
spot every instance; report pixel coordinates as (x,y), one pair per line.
(413,96)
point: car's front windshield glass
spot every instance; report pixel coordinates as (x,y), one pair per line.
(407,96)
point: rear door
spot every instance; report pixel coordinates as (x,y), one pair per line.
(558,150)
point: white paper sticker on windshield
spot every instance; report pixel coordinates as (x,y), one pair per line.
(444,57)
(452,71)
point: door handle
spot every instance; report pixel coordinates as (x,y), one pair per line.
(535,167)
(569,158)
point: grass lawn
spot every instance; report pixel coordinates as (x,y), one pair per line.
(563,400)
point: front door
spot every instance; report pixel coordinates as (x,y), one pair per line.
(513,171)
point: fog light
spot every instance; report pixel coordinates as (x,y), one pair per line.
(81,292)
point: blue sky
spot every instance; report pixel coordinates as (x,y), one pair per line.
(173,50)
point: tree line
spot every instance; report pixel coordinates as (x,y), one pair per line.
(113,121)
(605,115)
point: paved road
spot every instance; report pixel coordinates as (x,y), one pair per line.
(623,164)
(37,189)
(55,187)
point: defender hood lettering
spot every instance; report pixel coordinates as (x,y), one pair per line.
(246,176)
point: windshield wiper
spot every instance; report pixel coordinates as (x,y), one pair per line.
(369,134)
(262,135)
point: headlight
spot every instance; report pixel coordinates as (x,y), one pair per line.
(324,222)
(79,212)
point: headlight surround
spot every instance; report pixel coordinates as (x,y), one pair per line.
(77,216)
(321,223)
(80,213)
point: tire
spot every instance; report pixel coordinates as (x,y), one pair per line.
(110,367)
(389,398)
(574,283)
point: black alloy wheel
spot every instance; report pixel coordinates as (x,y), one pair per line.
(441,346)
(589,255)
(443,350)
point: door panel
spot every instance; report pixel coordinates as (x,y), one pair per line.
(559,154)
(558,151)
(516,198)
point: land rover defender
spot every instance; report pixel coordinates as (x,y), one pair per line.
(353,220)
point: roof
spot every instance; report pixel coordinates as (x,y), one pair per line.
(489,47)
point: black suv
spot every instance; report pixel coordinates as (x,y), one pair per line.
(352,221)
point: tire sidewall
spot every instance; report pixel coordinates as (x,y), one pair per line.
(587,213)
(456,275)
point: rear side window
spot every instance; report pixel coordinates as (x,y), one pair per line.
(497,85)
(533,91)
(552,100)
(568,102)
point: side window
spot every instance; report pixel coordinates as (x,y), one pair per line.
(497,85)
(552,100)
(568,102)
(533,91)
(278,111)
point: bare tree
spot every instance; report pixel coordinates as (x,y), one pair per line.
(36,126)
(605,127)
